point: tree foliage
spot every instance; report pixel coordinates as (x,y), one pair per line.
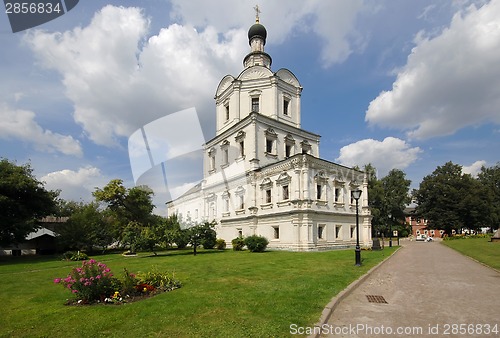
(387,196)
(23,200)
(202,234)
(489,178)
(87,228)
(451,200)
(130,209)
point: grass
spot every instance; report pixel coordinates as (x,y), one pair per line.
(224,294)
(481,249)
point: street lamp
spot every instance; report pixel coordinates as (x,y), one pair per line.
(390,230)
(356,194)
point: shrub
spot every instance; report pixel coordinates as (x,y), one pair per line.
(256,243)
(67,255)
(129,283)
(75,256)
(220,244)
(93,281)
(210,241)
(182,238)
(238,243)
(160,280)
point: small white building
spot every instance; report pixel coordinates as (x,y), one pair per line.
(262,172)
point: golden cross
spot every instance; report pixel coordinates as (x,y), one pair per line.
(257,12)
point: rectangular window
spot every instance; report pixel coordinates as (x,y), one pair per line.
(285,192)
(225,155)
(255,104)
(353,231)
(286,103)
(321,229)
(212,162)
(288,150)
(226,205)
(319,191)
(240,233)
(269,146)
(242,148)
(242,202)
(337,230)
(276,232)
(337,195)
(227,112)
(268,196)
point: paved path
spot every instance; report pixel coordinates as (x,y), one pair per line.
(427,286)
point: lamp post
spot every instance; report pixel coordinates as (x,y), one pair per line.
(356,194)
(390,230)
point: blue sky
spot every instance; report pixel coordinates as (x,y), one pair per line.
(408,85)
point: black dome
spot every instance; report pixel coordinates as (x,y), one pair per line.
(257,30)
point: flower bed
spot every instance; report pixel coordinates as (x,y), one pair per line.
(93,283)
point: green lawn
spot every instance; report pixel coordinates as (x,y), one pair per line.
(480,249)
(224,294)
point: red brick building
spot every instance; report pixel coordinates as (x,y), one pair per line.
(419,225)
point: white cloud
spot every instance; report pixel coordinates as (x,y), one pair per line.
(119,81)
(332,21)
(386,155)
(474,168)
(450,81)
(75,185)
(21,125)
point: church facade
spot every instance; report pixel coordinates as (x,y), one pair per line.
(262,172)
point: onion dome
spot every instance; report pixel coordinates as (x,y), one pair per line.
(257,31)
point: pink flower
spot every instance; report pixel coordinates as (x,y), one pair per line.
(57,280)
(74,291)
(98,277)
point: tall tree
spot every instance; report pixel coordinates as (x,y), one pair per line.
(451,200)
(389,195)
(87,228)
(396,196)
(375,199)
(23,200)
(490,179)
(131,208)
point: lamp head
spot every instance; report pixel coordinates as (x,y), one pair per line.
(356,194)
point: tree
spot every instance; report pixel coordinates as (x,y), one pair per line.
(396,196)
(375,199)
(451,200)
(86,228)
(23,200)
(130,208)
(202,234)
(490,179)
(389,195)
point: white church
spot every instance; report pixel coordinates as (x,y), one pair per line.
(262,172)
